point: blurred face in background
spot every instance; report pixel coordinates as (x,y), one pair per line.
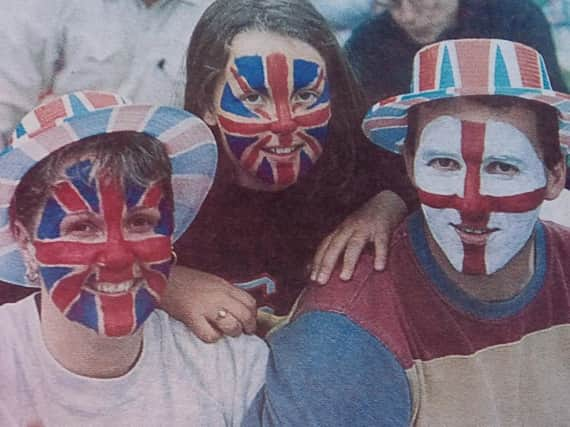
(423,20)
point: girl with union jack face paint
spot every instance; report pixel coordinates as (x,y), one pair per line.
(270,79)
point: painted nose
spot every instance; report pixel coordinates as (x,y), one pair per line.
(284,123)
(474,207)
(116,262)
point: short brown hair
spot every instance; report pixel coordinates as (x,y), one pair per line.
(130,156)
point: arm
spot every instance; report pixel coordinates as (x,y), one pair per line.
(325,370)
(210,306)
(29,50)
(373,222)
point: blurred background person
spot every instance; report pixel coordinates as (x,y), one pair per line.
(135,48)
(381,50)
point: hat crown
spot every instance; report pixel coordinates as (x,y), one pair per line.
(471,64)
(55,111)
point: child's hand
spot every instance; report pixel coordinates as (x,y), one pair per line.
(373,222)
(210,306)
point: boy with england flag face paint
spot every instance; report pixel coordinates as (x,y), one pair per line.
(96,191)
(480,182)
(476,284)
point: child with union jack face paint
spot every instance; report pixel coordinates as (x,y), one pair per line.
(469,323)
(96,191)
(269,78)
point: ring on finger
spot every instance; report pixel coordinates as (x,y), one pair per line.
(221,314)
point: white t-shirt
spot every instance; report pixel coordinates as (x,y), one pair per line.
(178,380)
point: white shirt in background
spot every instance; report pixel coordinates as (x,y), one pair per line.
(122,46)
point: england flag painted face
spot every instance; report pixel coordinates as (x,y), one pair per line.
(103,249)
(273,112)
(480,184)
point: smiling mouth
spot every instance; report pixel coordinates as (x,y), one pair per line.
(473,235)
(282,151)
(113,288)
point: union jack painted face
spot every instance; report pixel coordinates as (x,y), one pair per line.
(481,184)
(103,249)
(274,111)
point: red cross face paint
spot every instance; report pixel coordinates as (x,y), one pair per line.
(481,184)
(273,108)
(103,249)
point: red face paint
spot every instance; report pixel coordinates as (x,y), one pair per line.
(274,114)
(104,250)
(478,148)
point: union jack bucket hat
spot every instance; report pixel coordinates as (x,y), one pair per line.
(69,118)
(467,67)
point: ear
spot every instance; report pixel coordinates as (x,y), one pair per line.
(25,243)
(556,179)
(21,234)
(409,162)
(210,118)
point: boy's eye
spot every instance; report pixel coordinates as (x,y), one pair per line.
(252,98)
(444,164)
(501,168)
(81,226)
(143,222)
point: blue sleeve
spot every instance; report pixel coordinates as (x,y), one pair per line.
(324,370)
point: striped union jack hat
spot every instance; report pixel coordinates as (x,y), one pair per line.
(467,67)
(69,118)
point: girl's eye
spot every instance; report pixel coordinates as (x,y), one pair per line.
(501,168)
(444,164)
(306,96)
(80,227)
(143,222)
(252,98)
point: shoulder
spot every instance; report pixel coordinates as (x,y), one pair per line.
(229,358)
(338,295)
(367,33)
(16,314)
(19,334)
(558,238)
(343,296)
(507,9)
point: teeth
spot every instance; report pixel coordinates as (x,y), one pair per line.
(281,150)
(473,230)
(114,288)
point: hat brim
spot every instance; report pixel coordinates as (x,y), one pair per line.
(188,141)
(386,123)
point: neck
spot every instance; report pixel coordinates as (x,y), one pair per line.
(501,285)
(83,351)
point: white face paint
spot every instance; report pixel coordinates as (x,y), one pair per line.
(480,185)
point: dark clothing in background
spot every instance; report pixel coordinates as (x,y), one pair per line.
(381,53)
